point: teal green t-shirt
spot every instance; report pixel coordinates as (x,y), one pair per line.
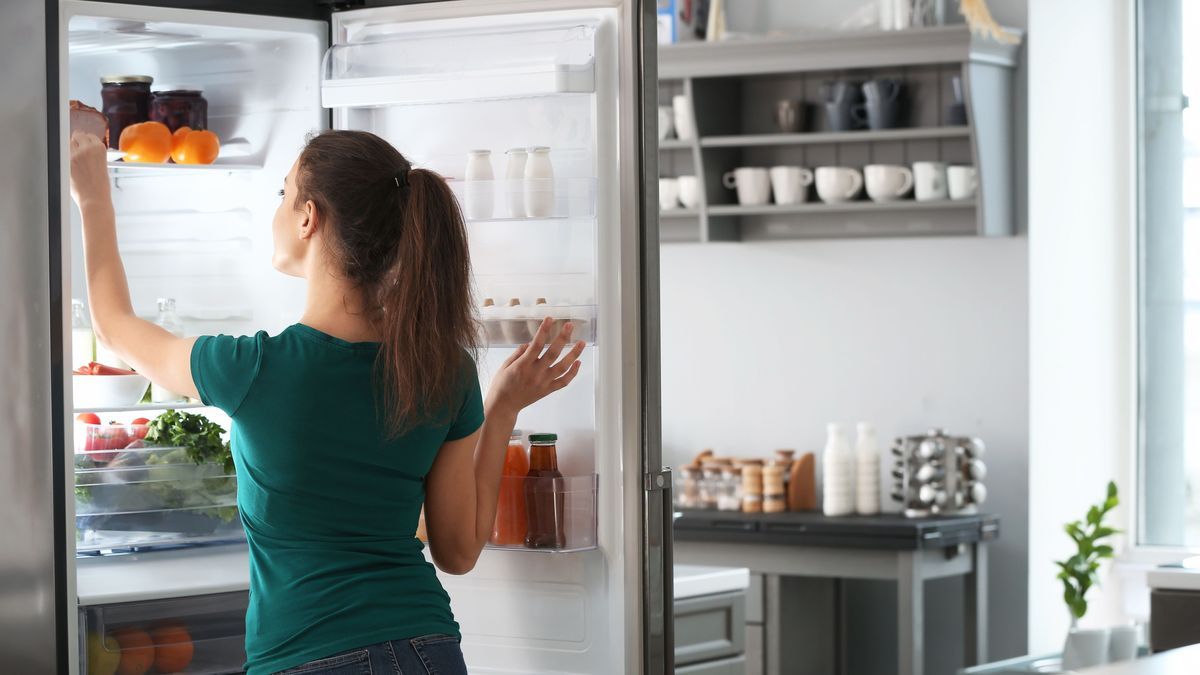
(329,503)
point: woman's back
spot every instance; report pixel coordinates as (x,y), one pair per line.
(329,502)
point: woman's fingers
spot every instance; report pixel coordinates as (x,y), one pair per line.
(538,343)
(556,345)
(515,355)
(563,381)
(568,360)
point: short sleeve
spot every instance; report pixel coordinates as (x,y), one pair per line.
(224,368)
(470,413)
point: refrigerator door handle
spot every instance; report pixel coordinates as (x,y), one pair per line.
(660,523)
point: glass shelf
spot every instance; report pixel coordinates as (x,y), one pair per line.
(138,407)
(123,169)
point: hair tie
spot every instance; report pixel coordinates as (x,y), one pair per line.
(401,178)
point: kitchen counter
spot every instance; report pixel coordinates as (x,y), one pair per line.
(696,580)
(1173,662)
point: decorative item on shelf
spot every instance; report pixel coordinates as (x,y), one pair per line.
(840,99)
(929,181)
(774,497)
(866,464)
(928,13)
(716,21)
(981,22)
(688,491)
(837,184)
(689,191)
(667,29)
(789,115)
(790,184)
(710,484)
(961,182)
(729,497)
(753,185)
(882,107)
(956,113)
(936,473)
(838,472)
(752,488)
(802,484)
(1078,574)
(685,124)
(886,182)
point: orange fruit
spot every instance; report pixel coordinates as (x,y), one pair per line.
(137,649)
(146,142)
(195,147)
(173,648)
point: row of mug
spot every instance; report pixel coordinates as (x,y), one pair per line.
(928,181)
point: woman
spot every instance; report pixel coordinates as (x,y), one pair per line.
(347,422)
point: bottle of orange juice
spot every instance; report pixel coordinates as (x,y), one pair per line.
(511,520)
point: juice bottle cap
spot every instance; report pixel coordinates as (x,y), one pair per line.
(543,438)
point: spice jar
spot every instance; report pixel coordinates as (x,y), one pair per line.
(752,488)
(688,489)
(710,486)
(125,101)
(179,105)
(774,496)
(730,497)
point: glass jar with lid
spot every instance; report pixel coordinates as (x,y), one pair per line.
(687,487)
(179,105)
(125,101)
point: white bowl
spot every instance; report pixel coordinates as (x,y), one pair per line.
(107,391)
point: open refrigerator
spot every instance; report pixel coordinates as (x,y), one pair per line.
(147,541)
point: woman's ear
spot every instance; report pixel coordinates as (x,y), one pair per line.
(309,220)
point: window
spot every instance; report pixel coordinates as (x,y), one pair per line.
(1168,509)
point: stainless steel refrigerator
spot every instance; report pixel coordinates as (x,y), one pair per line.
(89,550)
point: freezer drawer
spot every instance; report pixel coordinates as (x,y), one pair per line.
(201,635)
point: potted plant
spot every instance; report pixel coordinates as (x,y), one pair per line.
(1079,573)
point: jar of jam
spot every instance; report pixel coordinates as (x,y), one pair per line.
(125,101)
(179,105)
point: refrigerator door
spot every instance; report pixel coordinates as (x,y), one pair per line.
(34,585)
(458,87)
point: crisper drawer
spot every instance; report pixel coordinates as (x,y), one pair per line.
(202,635)
(151,496)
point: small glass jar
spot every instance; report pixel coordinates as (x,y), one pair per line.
(710,487)
(730,497)
(687,488)
(178,106)
(125,101)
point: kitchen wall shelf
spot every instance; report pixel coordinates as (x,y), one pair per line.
(731,89)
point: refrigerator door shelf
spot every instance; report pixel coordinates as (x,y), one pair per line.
(479,85)
(204,634)
(567,504)
(505,329)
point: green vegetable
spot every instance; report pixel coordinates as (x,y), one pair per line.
(196,433)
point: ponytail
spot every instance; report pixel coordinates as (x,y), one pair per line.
(398,234)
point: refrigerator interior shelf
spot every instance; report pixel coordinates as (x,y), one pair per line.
(505,329)
(123,169)
(148,407)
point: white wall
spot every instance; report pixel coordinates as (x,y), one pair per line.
(1080,248)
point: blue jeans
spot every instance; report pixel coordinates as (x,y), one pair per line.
(428,655)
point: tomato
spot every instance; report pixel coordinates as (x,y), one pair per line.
(89,418)
(140,420)
(115,437)
(140,427)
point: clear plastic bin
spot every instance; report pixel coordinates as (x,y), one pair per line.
(569,509)
(508,328)
(151,496)
(202,635)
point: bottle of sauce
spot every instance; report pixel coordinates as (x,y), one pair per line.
(170,322)
(544,494)
(83,341)
(512,522)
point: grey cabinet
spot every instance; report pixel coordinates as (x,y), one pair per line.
(709,628)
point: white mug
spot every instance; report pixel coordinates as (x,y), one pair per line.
(963,182)
(689,191)
(838,183)
(685,125)
(666,119)
(887,182)
(790,183)
(753,185)
(930,180)
(668,193)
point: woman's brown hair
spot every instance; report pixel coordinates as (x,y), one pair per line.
(398,234)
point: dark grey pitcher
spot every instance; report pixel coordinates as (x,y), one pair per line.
(840,98)
(882,109)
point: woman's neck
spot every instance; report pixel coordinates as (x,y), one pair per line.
(335,307)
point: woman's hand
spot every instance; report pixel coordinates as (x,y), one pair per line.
(534,371)
(89,169)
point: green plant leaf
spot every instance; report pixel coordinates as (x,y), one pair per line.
(1104,551)
(1093,515)
(1112,489)
(1103,532)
